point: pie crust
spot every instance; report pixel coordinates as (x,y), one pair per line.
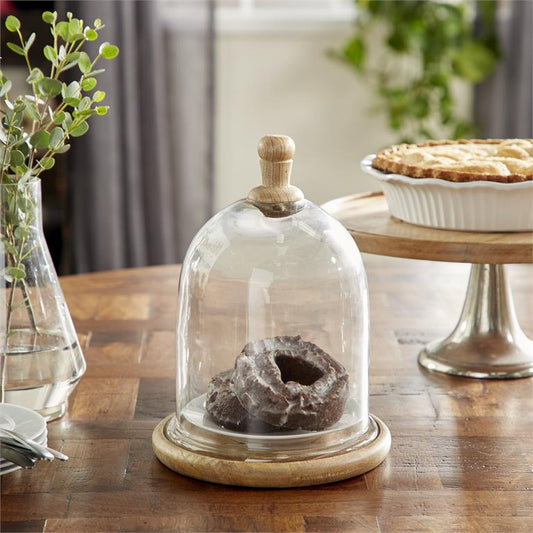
(500,160)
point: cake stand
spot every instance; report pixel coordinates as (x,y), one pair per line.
(487,341)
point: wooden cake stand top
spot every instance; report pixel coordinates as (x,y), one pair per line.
(375,231)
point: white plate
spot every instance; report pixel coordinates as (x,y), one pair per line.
(195,413)
(24,421)
(6,422)
(27,422)
(465,206)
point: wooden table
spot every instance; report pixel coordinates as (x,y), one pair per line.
(462,449)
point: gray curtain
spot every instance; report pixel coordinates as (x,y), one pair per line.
(503,104)
(140,182)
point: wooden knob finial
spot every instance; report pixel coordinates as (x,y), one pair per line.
(276,153)
(276,148)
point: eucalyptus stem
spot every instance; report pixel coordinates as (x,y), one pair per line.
(6,152)
(37,127)
(3,371)
(10,307)
(29,305)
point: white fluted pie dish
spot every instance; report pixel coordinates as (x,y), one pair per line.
(484,206)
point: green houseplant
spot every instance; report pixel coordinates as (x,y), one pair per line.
(41,357)
(427,46)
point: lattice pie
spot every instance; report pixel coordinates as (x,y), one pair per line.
(502,160)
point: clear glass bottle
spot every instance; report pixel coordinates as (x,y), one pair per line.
(41,356)
(267,287)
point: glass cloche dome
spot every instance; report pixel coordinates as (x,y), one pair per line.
(272,338)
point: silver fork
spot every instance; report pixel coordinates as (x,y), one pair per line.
(47,453)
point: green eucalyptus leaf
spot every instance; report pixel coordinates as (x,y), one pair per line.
(49,17)
(88,84)
(25,149)
(10,248)
(90,34)
(22,231)
(50,86)
(67,121)
(19,104)
(12,23)
(79,130)
(40,139)
(16,48)
(11,273)
(47,163)
(56,138)
(98,96)
(62,30)
(73,56)
(89,112)
(16,119)
(63,149)
(84,63)
(70,90)
(19,170)
(32,112)
(102,110)
(71,101)
(85,103)
(29,42)
(50,54)
(35,75)
(62,54)
(108,51)
(59,117)
(16,158)
(6,87)
(75,30)
(69,65)
(18,142)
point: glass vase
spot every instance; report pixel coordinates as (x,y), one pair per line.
(41,359)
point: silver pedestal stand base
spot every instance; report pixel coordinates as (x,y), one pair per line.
(487,341)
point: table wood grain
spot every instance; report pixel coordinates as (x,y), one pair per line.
(462,449)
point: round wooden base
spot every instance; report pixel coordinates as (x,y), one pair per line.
(272,474)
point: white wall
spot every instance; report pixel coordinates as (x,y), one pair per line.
(280,81)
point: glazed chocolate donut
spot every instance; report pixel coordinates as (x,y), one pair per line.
(226,410)
(290,383)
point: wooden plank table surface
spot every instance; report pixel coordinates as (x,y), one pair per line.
(462,449)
